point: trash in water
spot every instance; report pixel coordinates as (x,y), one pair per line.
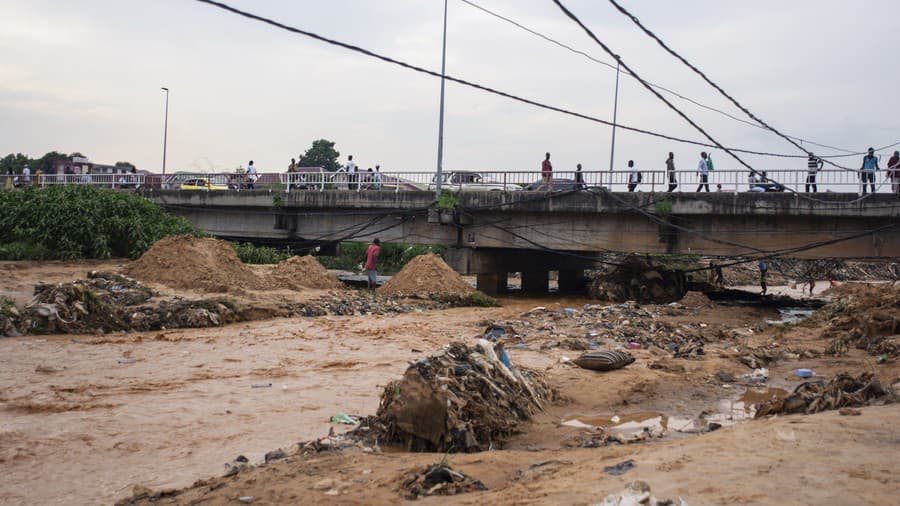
(261,385)
(803,373)
(343,418)
(125,361)
(620,468)
(604,360)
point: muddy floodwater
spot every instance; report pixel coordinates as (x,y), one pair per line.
(86,418)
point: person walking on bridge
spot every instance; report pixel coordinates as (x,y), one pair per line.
(813,166)
(703,170)
(867,170)
(670,172)
(547,172)
(894,172)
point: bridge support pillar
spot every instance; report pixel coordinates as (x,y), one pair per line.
(535,282)
(571,280)
(492,283)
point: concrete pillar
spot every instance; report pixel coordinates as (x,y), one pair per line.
(535,282)
(493,283)
(571,280)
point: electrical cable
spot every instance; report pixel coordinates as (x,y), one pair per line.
(480,87)
(709,81)
(657,86)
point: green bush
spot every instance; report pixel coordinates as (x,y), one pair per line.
(70,222)
(250,254)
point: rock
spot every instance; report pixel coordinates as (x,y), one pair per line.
(275,455)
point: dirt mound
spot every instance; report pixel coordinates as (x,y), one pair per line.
(462,399)
(638,279)
(188,262)
(424,276)
(297,273)
(695,300)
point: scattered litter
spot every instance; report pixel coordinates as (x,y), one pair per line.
(261,385)
(803,373)
(760,375)
(245,499)
(275,455)
(638,494)
(724,377)
(615,419)
(620,468)
(577,424)
(604,360)
(438,479)
(634,346)
(125,361)
(344,418)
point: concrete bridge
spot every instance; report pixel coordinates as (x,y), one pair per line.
(493,233)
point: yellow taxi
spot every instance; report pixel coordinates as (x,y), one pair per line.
(201,183)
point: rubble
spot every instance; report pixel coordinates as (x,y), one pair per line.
(9,318)
(638,279)
(461,399)
(864,316)
(841,391)
(637,493)
(437,479)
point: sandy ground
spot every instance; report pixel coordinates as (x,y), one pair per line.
(78,427)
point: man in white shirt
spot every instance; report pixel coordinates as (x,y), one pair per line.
(634,176)
(26,175)
(252,176)
(351,172)
(703,170)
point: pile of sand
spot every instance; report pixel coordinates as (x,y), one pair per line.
(297,273)
(191,263)
(696,300)
(426,275)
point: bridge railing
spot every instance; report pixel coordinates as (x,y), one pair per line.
(651,180)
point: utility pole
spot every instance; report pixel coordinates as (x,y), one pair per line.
(612,149)
(440,155)
(165,129)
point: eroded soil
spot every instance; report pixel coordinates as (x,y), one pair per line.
(79,427)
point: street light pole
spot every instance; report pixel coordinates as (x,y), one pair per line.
(440,154)
(612,149)
(165,129)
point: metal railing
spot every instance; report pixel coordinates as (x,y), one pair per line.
(650,181)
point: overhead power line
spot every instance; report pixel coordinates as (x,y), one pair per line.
(563,45)
(480,87)
(709,81)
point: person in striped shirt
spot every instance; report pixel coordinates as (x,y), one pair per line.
(813,166)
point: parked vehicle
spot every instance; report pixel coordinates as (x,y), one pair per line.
(463,180)
(202,183)
(558,185)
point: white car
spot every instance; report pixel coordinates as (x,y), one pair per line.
(463,180)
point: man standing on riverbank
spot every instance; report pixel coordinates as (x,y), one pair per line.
(372,253)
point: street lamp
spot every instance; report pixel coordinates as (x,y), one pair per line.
(165,129)
(440,156)
(612,149)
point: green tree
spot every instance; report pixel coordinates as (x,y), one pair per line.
(321,154)
(14,162)
(125,165)
(45,163)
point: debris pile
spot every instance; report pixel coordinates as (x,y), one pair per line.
(437,479)
(108,302)
(426,276)
(9,318)
(192,263)
(298,273)
(841,391)
(864,316)
(461,399)
(763,356)
(638,279)
(696,300)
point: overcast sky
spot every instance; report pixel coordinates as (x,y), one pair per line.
(86,76)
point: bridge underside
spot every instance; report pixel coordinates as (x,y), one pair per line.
(492,234)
